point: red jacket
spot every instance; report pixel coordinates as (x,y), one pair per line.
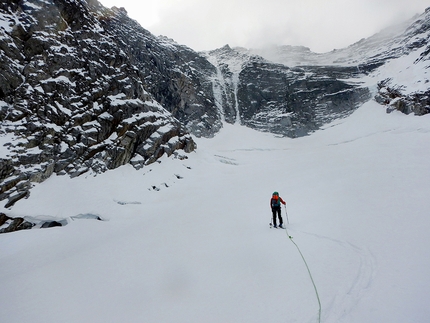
(274,200)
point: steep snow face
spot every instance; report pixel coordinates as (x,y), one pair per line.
(189,241)
(413,79)
(229,65)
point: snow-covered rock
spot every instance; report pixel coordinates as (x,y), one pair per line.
(73,95)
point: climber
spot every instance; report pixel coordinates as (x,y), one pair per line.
(275,204)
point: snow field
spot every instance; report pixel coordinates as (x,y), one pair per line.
(199,249)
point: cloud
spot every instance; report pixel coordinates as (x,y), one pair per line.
(320,25)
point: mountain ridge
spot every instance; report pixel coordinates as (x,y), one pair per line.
(398,39)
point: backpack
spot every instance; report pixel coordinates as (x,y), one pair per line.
(275,201)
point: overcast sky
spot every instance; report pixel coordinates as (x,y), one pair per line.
(321,25)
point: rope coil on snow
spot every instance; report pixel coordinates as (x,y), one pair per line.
(310,275)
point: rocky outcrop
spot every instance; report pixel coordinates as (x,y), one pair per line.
(393,97)
(8,224)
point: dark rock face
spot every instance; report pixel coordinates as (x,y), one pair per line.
(74,93)
(294,102)
(288,101)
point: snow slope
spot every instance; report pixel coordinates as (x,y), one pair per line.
(189,241)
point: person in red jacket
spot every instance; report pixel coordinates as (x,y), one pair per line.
(275,204)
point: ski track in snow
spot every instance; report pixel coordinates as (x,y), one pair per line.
(127,202)
(359,138)
(346,300)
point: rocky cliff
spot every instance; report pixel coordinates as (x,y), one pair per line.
(273,97)
(75,93)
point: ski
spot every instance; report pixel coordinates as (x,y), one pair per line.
(277,227)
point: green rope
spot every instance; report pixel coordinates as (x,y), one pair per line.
(310,275)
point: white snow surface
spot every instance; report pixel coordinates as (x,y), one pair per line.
(189,240)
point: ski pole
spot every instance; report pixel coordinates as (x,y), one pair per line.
(271,222)
(286,214)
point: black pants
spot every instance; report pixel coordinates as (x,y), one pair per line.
(277,210)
